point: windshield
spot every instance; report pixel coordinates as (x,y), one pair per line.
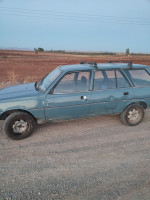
(43,84)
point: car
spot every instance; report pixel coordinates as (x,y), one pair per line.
(77,91)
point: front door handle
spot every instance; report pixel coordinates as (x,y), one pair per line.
(126,93)
(84,98)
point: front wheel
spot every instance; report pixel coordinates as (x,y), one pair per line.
(132,115)
(19,125)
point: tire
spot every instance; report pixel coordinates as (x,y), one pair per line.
(132,115)
(19,125)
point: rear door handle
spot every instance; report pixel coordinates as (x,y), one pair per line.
(126,93)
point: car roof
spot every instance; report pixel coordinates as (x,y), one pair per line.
(84,67)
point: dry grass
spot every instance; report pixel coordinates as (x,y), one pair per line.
(28,79)
(12,77)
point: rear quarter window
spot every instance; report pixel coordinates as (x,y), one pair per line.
(139,77)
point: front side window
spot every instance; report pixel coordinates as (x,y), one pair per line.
(140,77)
(73,82)
(104,79)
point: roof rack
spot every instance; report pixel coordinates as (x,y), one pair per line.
(94,64)
(121,61)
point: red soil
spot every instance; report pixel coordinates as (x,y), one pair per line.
(31,66)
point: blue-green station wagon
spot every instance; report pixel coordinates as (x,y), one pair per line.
(77,91)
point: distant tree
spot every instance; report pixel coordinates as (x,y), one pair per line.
(127,52)
(40,49)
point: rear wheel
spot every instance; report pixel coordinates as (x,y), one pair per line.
(19,125)
(132,115)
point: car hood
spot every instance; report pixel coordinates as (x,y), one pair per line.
(18,91)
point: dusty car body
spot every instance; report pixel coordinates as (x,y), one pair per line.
(77,91)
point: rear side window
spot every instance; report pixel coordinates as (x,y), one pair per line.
(104,79)
(139,77)
(121,81)
(109,79)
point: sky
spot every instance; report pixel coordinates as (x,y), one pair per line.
(76,25)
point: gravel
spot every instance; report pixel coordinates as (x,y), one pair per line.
(97,158)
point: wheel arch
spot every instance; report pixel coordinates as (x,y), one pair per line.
(8,112)
(141,103)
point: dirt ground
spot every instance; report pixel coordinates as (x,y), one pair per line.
(97,158)
(29,66)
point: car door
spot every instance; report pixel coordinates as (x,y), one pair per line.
(70,97)
(111,92)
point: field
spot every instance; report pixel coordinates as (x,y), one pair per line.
(27,66)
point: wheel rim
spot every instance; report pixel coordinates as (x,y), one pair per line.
(134,116)
(20,126)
